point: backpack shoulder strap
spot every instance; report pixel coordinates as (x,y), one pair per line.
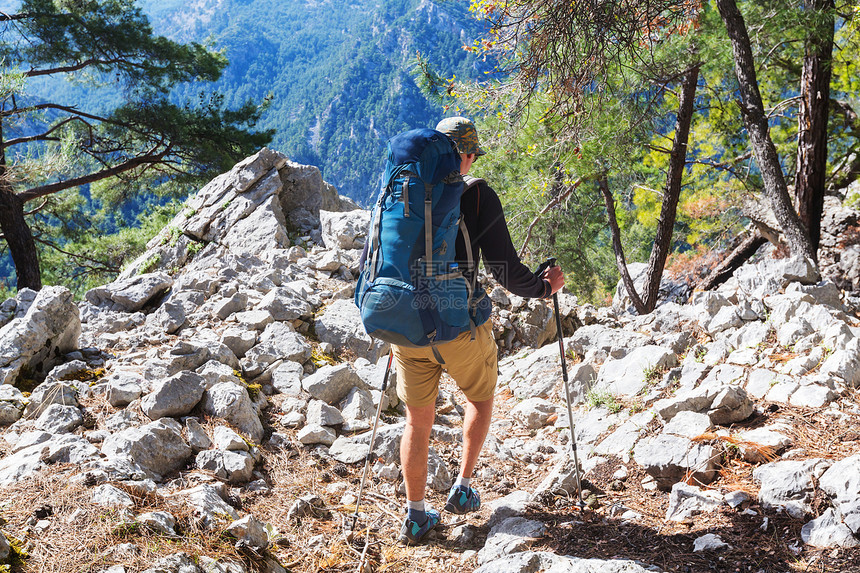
(471,182)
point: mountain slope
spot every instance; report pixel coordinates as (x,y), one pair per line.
(338,75)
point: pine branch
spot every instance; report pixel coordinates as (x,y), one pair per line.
(132,163)
(80,66)
(41,136)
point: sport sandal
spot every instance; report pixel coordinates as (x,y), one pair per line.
(463,500)
(412,533)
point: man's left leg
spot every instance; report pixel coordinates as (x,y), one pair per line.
(474,367)
(476,425)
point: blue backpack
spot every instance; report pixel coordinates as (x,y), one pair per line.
(411,292)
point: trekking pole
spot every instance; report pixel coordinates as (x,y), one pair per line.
(372,439)
(581,504)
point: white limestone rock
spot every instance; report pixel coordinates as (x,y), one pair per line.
(175,396)
(344,230)
(108,495)
(321,414)
(155,449)
(251,531)
(331,384)
(161,522)
(534,413)
(59,419)
(234,466)
(339,324)
(226,439)
(207,502)
(51,327)
(232,403)
(842,483)
(316,434)
(789,484)
(12,404)
(130,294)
(512,535)
(686,501)
(26,462)
(669,458)
(828,531)
(627,376)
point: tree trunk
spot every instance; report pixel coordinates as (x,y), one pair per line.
(811,171)
(18,237)
(752,109)
(741,254)
(620,262)
(669,208)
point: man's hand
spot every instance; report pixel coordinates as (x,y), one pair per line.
(555,278)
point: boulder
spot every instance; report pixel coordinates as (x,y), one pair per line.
(534,413)
(175,396)
(155,449)
(12,403)
(613,341)
(250,531)
(158,521)
(790,484)
(316,434)
(340,325)
(31,344)
(531,561)
(321,414)
(226,439)
(29,460)
(49,393)
(123,388)
(235,467)
(669,459)
(686,501)
(59,419)
(283,304)
(512,535)
(630,374)
(130,294)
(207,502)
(345,230)
(232,403)
(331,384)
(842,483)
(828,531)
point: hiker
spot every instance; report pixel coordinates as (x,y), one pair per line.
(472,363)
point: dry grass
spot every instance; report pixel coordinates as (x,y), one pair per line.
(81,536)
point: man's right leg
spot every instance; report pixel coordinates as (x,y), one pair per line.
(417,383)
(414,449)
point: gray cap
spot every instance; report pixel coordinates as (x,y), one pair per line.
(463,132)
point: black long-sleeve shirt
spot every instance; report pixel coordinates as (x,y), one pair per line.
(488,231)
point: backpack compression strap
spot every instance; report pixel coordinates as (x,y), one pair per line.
(472,264)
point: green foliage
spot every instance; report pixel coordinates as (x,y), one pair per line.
(150,264)
(89,259)
(93,118)
(603,398)
(621,127)
(194,247)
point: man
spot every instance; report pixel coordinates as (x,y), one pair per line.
(472,363)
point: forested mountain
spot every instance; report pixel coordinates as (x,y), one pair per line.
(338,73)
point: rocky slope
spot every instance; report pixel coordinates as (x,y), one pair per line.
(209,411)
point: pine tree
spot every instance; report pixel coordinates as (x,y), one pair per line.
(136,133)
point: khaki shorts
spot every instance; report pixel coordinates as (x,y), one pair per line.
(473,364)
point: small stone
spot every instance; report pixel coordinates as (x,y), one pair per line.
(709,542)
